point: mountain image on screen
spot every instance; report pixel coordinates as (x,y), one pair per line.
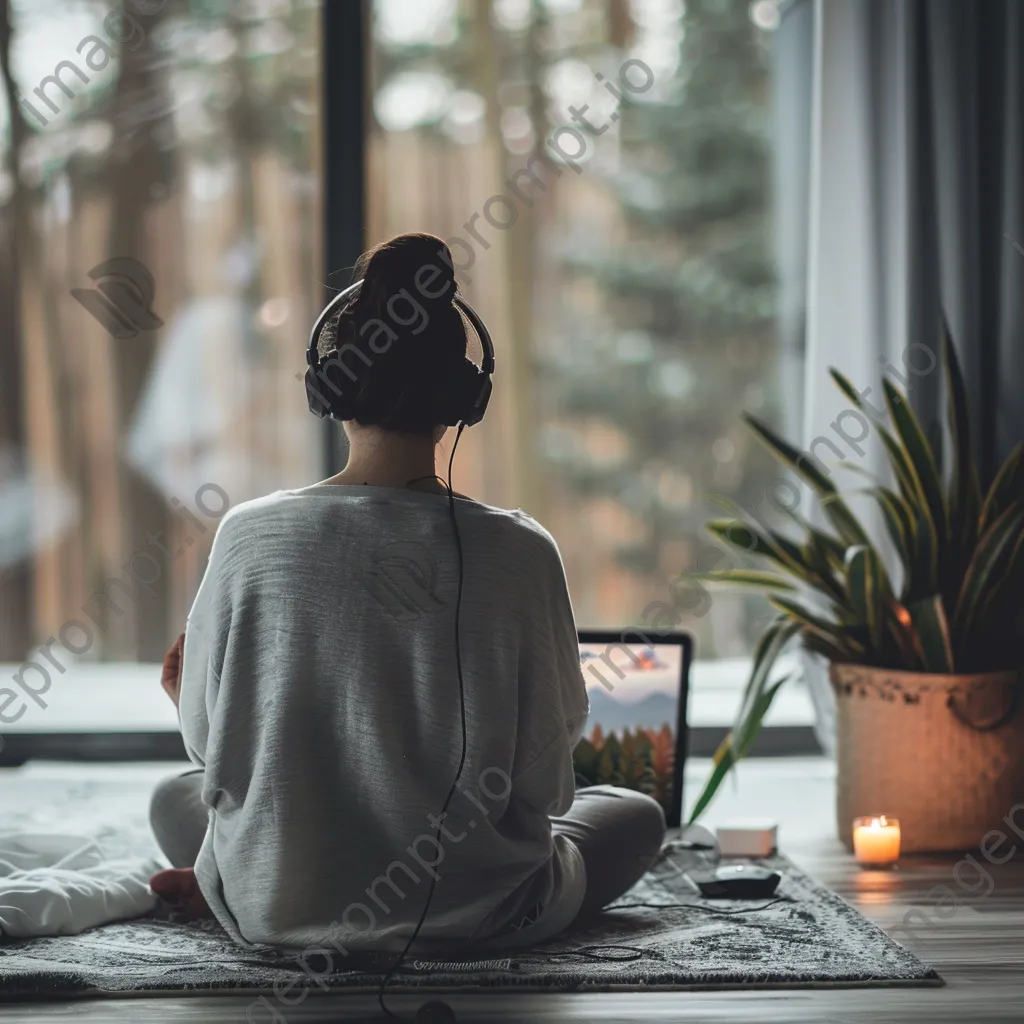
(647,713)
(631,745)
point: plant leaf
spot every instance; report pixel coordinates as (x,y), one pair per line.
(1006,488)
(831,631)
(919,455)
(768,648)
(854,396)
(869,590)
(859,470)
(932,628)
(822,645)
(730,752)
(901,529)
(964,492)
(820,555)
(746,578)
(926,556)
(802,463)
(897,457)
(906,479)
(722,765)
(1010,585)
(901,628)
(846,387)
(769,544)
(739,535)
(833,549)
(764,701)
(984,564)
(924,547)
(826,561)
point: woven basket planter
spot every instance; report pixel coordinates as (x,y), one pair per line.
(943,753)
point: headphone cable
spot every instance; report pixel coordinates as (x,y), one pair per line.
(462,758)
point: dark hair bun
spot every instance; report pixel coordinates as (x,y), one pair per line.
(417,263)
(410,340)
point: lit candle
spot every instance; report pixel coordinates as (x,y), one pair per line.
(876,841)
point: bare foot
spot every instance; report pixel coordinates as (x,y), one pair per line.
(179,889)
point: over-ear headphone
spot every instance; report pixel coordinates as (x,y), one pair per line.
(332,387)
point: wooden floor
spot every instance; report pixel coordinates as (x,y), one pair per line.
(975,942)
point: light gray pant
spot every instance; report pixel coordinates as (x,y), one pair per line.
(619,832)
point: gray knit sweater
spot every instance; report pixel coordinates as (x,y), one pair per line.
(320,692)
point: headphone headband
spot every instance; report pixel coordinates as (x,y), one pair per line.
(338,405)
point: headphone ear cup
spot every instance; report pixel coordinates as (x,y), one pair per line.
(329,390)
(483,397)
(474,394)
(314,397)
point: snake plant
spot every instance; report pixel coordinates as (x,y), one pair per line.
(949,602)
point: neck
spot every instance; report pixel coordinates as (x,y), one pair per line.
(385,458)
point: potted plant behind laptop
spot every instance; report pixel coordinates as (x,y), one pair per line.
(925,654)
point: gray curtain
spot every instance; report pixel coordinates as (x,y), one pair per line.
(912,210)
(970,108)
(914,205)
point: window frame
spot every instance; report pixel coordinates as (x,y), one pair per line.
(344,69)
(344,86)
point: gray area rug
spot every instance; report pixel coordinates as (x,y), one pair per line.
(810,937)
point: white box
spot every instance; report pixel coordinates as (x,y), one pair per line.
(750,837)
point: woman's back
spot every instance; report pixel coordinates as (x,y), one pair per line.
(320,689)
(334,636)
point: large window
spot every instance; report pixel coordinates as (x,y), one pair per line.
(159,267)
(601,170)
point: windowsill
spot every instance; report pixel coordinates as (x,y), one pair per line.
(716,689)
(126,697)
(92,697)
(798,793)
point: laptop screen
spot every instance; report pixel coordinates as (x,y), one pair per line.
(632,736)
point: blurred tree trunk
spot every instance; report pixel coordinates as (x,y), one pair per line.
(512,252)
(134,168)
(245,128)
(15,580)
(524,240)
(620,24)
(41,379)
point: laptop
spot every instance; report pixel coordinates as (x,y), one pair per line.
(636,734)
